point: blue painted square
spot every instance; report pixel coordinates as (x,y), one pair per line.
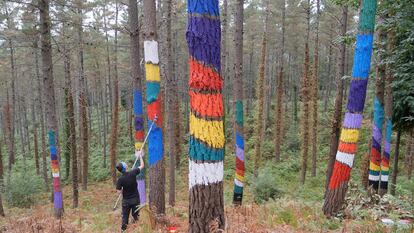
(138,102)
(362,56)
(239,141)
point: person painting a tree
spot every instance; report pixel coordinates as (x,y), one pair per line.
(127,185)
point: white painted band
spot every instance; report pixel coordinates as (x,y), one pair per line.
(151,51)
(55,174)
(204,173)
(373,178)
(346,158)
(238,183)
(384,178)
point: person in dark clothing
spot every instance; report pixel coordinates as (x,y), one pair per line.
(127,184)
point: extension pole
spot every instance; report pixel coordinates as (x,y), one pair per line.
(136,159)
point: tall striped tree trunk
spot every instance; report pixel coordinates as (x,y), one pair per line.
(50,108)
(388,99)
(338,183)
(377,124)
(137,77)
(206,145)
(238,97)
(155,139)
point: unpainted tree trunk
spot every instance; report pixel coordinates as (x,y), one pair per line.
(305,96)
(35,138)
(315,93)
(279,126)
(395,163)
(409,155)
(260,99)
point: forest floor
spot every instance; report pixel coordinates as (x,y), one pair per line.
(95,214)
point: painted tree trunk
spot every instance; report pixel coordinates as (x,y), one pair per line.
(377,124)
(137,77)
(51,120)
(154,103)
(280,86)
(336,117)
(206,145)
(338,184)
(305,100)
(238,106)
(388,100)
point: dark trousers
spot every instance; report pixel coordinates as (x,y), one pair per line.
(129,206)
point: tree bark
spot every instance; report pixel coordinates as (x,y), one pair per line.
(206,146)
(51,119)
(409,155)
(238,103)
(336,117)
(137,81)
(115,107)
(35,138)
(338,183)
(154,103)
(314,95)
(395,165)
(280,86)
(378,121)
(306,91)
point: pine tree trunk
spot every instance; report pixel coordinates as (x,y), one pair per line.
(338,183)
(206,143)
(378,121)
(305,96)
(336,117)
(409,155)
(1,179)
(260,99)
(51,119)
(83,108)
(40,112)
(395,165)
(136,74)
(388,104)
(171,95)
(238,104)
(154,103)
(279,126)
(8,132)
(115,107)
(35,138)
(314,94)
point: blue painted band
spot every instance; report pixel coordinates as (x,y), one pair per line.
(239,140)
(362,56)
(153,89)
(204,7)
(138,102)
(155,145)
(201,152)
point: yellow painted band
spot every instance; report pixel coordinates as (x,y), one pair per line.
(385,168)
(55,170)
(210,132)
(374,167)
(349,135)
(138,145)
(239,177)
(152,72)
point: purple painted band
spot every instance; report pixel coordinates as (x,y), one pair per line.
(376,133)
(57,200)
(352,120)
(141,191)
(239,153)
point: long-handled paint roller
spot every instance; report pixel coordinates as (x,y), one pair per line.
(136,159)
